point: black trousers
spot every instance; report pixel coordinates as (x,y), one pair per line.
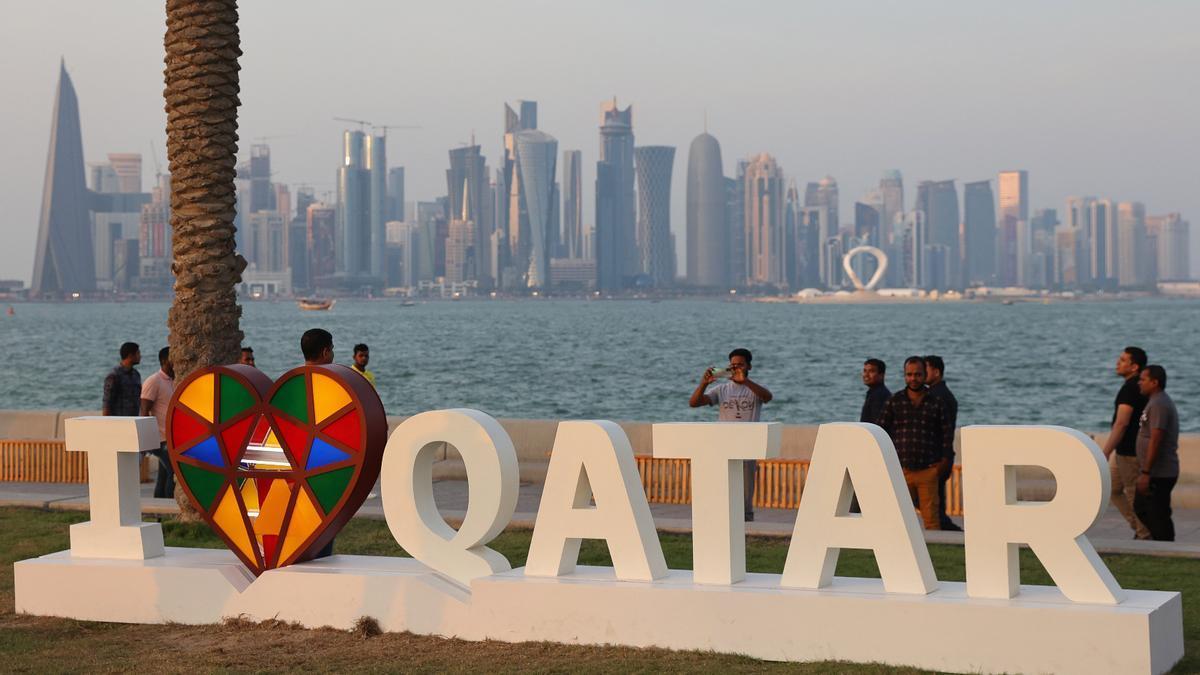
(164,484)
(1153,508)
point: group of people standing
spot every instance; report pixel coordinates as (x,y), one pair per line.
(126,394)
(920,420)
(1142,445)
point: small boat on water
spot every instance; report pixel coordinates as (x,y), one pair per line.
(408,303)
(315,304)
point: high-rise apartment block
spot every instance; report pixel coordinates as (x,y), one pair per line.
(763,222)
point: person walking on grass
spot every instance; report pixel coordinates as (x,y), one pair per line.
(738,399)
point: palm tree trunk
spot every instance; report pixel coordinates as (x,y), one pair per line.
(203,47)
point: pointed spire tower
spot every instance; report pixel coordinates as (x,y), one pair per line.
(64,261)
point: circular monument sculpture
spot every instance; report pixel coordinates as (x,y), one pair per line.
(879,256)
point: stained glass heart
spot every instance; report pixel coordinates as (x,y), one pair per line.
(276,469)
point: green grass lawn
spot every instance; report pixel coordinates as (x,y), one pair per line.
(33,644)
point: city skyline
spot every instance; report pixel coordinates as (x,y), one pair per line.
(1066,153)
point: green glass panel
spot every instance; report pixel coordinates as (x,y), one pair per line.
(204,484)
(234,398)
(329,486)
(292,398)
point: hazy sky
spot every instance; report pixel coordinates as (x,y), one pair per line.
(1092,97)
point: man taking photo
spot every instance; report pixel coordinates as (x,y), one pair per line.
(739,399)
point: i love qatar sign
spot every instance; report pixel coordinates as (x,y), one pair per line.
(454,585)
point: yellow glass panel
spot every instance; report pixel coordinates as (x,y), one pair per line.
(250,496)
(199,396)
(271,441)
(228,517)
(305,520)
(270,517)
(328,396)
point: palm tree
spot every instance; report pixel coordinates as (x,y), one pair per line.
(203,47)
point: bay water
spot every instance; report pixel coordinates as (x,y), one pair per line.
(1026,363)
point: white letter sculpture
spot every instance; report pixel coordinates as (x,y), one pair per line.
(594,460)
(996,522)
(493,484)
(881,260)
(849,459)
(116,529)
(716,451)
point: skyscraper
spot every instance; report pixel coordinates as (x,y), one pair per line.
(1078,218)
(395,196)
(353,209)
(322,249)
(572,200)
(376,156)
(654,164)
(979,228)
(1014,193)
(466,184)
(707,220)
(617,259)
(537,152)
(1131,233)
(64,261)
(764,197)
(1102,236)
(891,193)
(938,200)
(735,230)
(127,167)
(1173,247)
(825,193)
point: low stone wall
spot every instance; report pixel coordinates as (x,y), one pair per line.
(533,440)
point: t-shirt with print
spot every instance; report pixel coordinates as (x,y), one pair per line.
(1160,413)
(737,402)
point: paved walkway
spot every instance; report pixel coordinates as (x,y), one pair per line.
(1110,535)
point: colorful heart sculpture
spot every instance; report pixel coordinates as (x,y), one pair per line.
(276,469)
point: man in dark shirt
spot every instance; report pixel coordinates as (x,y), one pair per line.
(920,432)
(1120,448)
(935,369)
(123,385)
(877,392)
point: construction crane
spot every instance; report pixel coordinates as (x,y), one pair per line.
(385,127)
(362,124)
(267,138)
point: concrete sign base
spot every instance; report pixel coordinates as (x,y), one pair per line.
(851,619)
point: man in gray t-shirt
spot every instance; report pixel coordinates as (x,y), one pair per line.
(1157,454)
(739,399)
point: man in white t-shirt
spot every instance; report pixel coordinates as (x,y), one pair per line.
(157,391)
(738,399)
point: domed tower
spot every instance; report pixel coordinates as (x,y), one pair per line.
(707,229)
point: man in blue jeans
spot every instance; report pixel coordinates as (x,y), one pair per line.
(739,399)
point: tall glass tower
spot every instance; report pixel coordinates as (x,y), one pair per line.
(617,259)
(64,261)
(654,164)
(707,222)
